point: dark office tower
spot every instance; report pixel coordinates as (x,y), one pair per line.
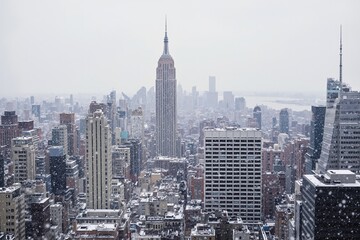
(40,218)
(32,100)
(166,124)
(35,110)
(257,116)
(9,128)
(68,119)
(330,206)
(57,157)
(316,137)
(135,157)
(284,121)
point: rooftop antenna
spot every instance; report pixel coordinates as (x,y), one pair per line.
(340,66)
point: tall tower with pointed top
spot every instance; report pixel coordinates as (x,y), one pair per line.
(166,123)
(340,146)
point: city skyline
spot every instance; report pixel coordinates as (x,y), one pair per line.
(90,47)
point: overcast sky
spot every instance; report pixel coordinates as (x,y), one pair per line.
(97,46)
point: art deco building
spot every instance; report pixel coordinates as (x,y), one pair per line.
(166,104)
(98,161)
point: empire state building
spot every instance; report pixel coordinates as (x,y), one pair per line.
(166,103)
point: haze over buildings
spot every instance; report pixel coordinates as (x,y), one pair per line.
(275,46)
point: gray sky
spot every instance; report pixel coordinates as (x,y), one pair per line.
(96,46)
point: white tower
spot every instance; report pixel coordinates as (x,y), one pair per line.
(98,161)
(166,103)
(233,172)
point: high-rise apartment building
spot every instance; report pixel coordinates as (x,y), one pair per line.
(12,212)
(98,161)
(233,172)
(23,157)
(68,119)
(60,137)
(330,206)
(166,124)
(284,121)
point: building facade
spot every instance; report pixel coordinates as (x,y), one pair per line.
(57,157)
(233,172)
(316,137)
(60,137)
(23,156)
(330,206)
(98,161)
(341,139)
(166,124)
(12,212)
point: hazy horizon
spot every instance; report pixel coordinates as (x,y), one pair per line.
(55,47)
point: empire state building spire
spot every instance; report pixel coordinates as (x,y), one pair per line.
(166,122)
(166,40)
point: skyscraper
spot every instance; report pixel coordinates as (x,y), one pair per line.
(284,121)
(330,206)
(233,172)
(257,116)
(341,145)
(60,137)
(166,125)
(98,161)
(58,169)
(68,119)
(316,137)
(212,94)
